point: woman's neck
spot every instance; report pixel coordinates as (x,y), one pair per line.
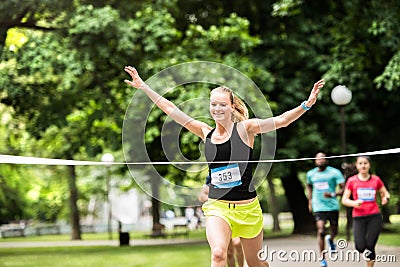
(363,176)
(222,133)
(224,128)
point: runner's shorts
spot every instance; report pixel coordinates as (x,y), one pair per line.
(245,220)
(331,216)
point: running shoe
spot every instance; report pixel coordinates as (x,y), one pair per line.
(331,244)
(323,263)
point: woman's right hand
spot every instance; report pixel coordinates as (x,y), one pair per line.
(357,203)
(136,82)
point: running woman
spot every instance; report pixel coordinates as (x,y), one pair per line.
(232,209)
(367,219)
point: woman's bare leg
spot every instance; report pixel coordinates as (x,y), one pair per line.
(251,248)
(218,236)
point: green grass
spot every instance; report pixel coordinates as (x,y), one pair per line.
(196,234)
(161,256)
(390,236)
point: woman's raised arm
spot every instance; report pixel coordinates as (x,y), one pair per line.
(257,126)
(197,127)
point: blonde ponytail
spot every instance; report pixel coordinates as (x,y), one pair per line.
(240,113)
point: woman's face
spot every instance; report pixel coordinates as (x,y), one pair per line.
(220,106)
(363,165)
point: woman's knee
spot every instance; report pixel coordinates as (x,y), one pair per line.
(360,248)
(218,254)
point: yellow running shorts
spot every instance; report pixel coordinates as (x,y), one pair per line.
(245,220)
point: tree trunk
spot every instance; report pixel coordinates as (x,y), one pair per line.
(3,37)
(298,203)
(73,200)
(274,205)
(157,228)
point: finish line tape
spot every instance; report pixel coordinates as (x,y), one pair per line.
(9,159)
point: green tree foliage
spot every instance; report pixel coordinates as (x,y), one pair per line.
(15,180)
(64,78)
(43,15)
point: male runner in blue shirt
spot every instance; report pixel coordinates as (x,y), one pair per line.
(321,186)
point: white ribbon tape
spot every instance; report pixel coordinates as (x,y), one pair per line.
(46,161)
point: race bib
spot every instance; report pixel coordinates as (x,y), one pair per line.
(321,186)
(366,194)
(226,176)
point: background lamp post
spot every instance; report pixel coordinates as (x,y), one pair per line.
(341,96)
(107,157)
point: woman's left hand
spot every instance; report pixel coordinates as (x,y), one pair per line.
(384,201)
(314,93)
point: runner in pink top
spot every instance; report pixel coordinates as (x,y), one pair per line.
(367,219)
(365,190)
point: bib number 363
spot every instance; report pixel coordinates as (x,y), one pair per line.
(226,176)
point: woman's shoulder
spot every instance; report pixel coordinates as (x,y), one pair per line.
(376,178)
(352,178)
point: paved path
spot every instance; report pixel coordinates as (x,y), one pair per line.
(281,252)
(302,251)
